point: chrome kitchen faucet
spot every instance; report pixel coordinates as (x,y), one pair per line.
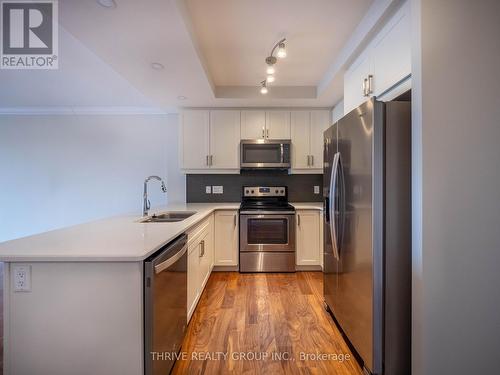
(147,204)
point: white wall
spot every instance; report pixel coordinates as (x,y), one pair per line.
(59,170)
(456,244)
(338,111)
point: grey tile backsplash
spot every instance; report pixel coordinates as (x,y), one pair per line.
(300,186)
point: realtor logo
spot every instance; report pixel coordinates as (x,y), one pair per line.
(29,34)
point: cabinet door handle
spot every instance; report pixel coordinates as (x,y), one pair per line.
(208,164)
(211,160)
(312,160)
(370,84)
(263,134)
(267,133)
(202,248)
(365,87)
(235,221)
(308,160)
(298,220)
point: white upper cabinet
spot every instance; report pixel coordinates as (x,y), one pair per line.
(391,53)
(278,125)
(320,121)
(195,130)
(253,124)
(384,63)
(210,140)
(224,139)
(355,81)
(301,139)
(307,129)
(257,124)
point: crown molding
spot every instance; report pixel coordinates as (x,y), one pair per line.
(54,110)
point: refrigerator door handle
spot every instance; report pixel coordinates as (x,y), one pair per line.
(331,208)
(342,208)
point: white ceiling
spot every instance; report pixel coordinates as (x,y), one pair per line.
(235,37)
(81,80)
(213,52)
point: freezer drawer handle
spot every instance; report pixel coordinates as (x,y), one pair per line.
(166,264)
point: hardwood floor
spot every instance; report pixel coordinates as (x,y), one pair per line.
(263,316)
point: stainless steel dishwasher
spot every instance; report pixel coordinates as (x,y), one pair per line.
(165,306)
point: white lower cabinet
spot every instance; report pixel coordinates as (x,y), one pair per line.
(226,238)
(308,237)
(200,261)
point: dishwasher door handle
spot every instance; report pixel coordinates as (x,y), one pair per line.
(166,264)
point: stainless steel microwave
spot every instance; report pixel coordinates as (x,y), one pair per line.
(265,153)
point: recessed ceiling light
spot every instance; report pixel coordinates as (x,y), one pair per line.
(157,66)
(270,78)
(107,3)
(182,97)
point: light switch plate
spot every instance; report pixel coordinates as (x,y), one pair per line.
(208,189)
(316,189)
(218,189)
(22,278)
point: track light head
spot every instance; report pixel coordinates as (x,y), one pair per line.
(281,50)
(263,89)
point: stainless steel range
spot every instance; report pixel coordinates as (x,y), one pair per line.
(267,230)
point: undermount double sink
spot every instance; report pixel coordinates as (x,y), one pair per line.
(168,217)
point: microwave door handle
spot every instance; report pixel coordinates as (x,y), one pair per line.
(333,221)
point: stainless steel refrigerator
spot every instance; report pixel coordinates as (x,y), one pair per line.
(367,232)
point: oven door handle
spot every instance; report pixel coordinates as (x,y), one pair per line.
(273,213)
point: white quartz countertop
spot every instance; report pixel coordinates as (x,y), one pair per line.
(308,206)
(116,239)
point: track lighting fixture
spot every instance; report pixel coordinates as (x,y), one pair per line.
(271,60)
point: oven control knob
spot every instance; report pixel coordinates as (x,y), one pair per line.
(247,191)
(277,191)
(282,191)
(253,191)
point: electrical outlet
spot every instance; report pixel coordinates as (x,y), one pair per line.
(316,189)
(208,189)
(218,189)
(22,278)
